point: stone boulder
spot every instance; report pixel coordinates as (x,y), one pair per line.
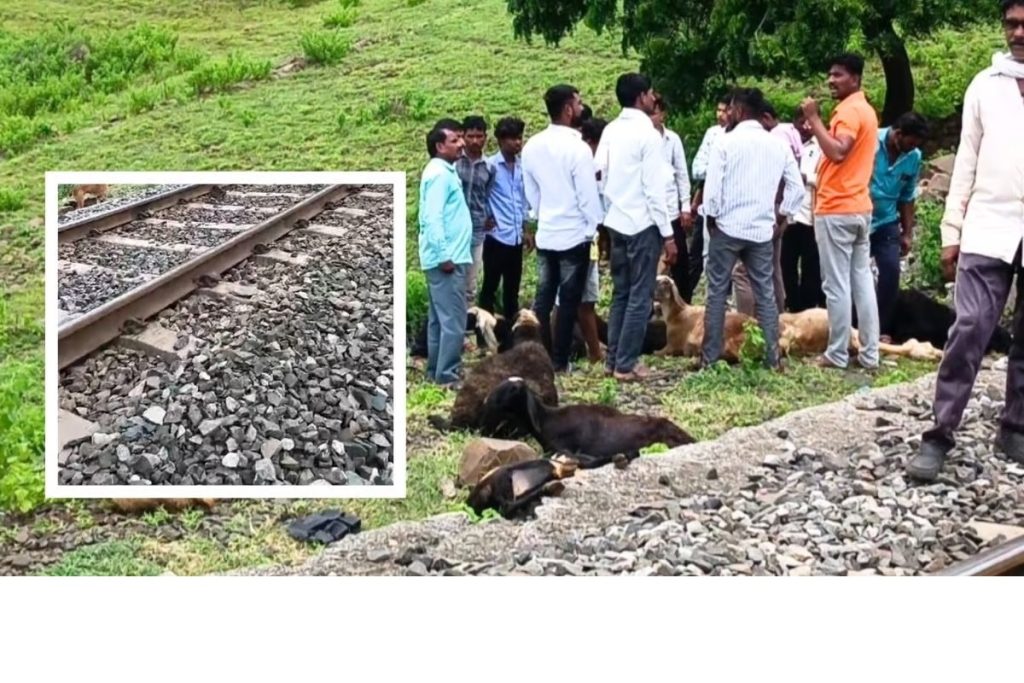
(482,455)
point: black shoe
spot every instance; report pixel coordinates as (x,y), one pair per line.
(926,465)
(1011,444)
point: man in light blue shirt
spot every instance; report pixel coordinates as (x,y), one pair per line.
(893,193)
(446,231)
(503,245)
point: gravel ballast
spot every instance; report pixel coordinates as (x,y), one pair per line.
(816,492)
(288,383)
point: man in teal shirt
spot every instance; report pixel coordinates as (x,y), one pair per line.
(446,231)
(893,193)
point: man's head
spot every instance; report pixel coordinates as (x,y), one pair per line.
(592,129)
(1013,25)
(634,90)
(844,75)
(747,104)
(909,132)
(509,132)
(564,105)
(660,112)
(445,140)
(769,117)
(474,132)
(801,124)
(722,111)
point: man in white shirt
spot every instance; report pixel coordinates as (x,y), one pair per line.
(632,168)
(801,268)
(678,196)
(743,180)
(699,243)
(561,188)
(981,247)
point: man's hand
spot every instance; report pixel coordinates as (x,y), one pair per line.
(810,108)
(950,255)
(448,267)
(686,220)
(529,241)
(670,251)
(906,239)
(489,224)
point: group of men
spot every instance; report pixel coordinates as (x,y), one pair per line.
(789,217)
(750,228)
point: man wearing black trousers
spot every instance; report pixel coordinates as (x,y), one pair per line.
(503,246)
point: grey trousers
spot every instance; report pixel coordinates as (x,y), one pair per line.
(446,323)
(634,266)
(982,288)
(723,253)
(741,283)
(475,268)
(844,248)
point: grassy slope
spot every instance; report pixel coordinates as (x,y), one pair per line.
(409,66)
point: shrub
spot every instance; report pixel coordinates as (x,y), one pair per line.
(11,199)
(325,47)
(221,75)
(415,301)
(21,433)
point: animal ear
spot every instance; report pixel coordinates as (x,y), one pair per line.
(533,409)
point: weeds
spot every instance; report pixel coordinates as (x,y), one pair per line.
(325,47)
(221,75)
(21,432)
(11,199)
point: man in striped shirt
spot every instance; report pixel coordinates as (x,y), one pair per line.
(477,176)
(744,174)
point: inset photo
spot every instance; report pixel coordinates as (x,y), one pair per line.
(225,335)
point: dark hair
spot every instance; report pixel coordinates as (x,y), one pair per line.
(591,130)
(660,103)
(509,127)
(913,124)
(1007,5)
(437,134)
(769,110)
(725,98)
(557,97)
(798,114)
(850,61)
(631,86)
(587,113)
(474,123)
(750,99)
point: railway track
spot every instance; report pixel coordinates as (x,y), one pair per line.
(1006,559)
(228,335)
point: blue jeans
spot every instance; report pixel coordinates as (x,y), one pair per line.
(562,273)
(446,322)
(885,249)
(634,262)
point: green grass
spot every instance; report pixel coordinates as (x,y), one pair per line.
(21,432)
(110,558)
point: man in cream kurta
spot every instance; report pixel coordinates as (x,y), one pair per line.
(981,241)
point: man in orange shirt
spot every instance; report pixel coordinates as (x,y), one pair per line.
(842,221)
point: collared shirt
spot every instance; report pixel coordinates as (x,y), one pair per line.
(678,177)
(561,188)
(743,180)
(892,184)
(446,229)
(788,133)
(507,200)
(843,188)
(700,162)
(632,166)
(809,157)
(985,205)
(477,178)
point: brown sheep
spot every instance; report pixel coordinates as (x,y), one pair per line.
(685,325)
(527,359)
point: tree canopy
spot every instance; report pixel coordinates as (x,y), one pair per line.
(694,48)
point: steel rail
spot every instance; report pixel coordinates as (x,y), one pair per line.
(83,227)
(86,333)
(1003,560)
